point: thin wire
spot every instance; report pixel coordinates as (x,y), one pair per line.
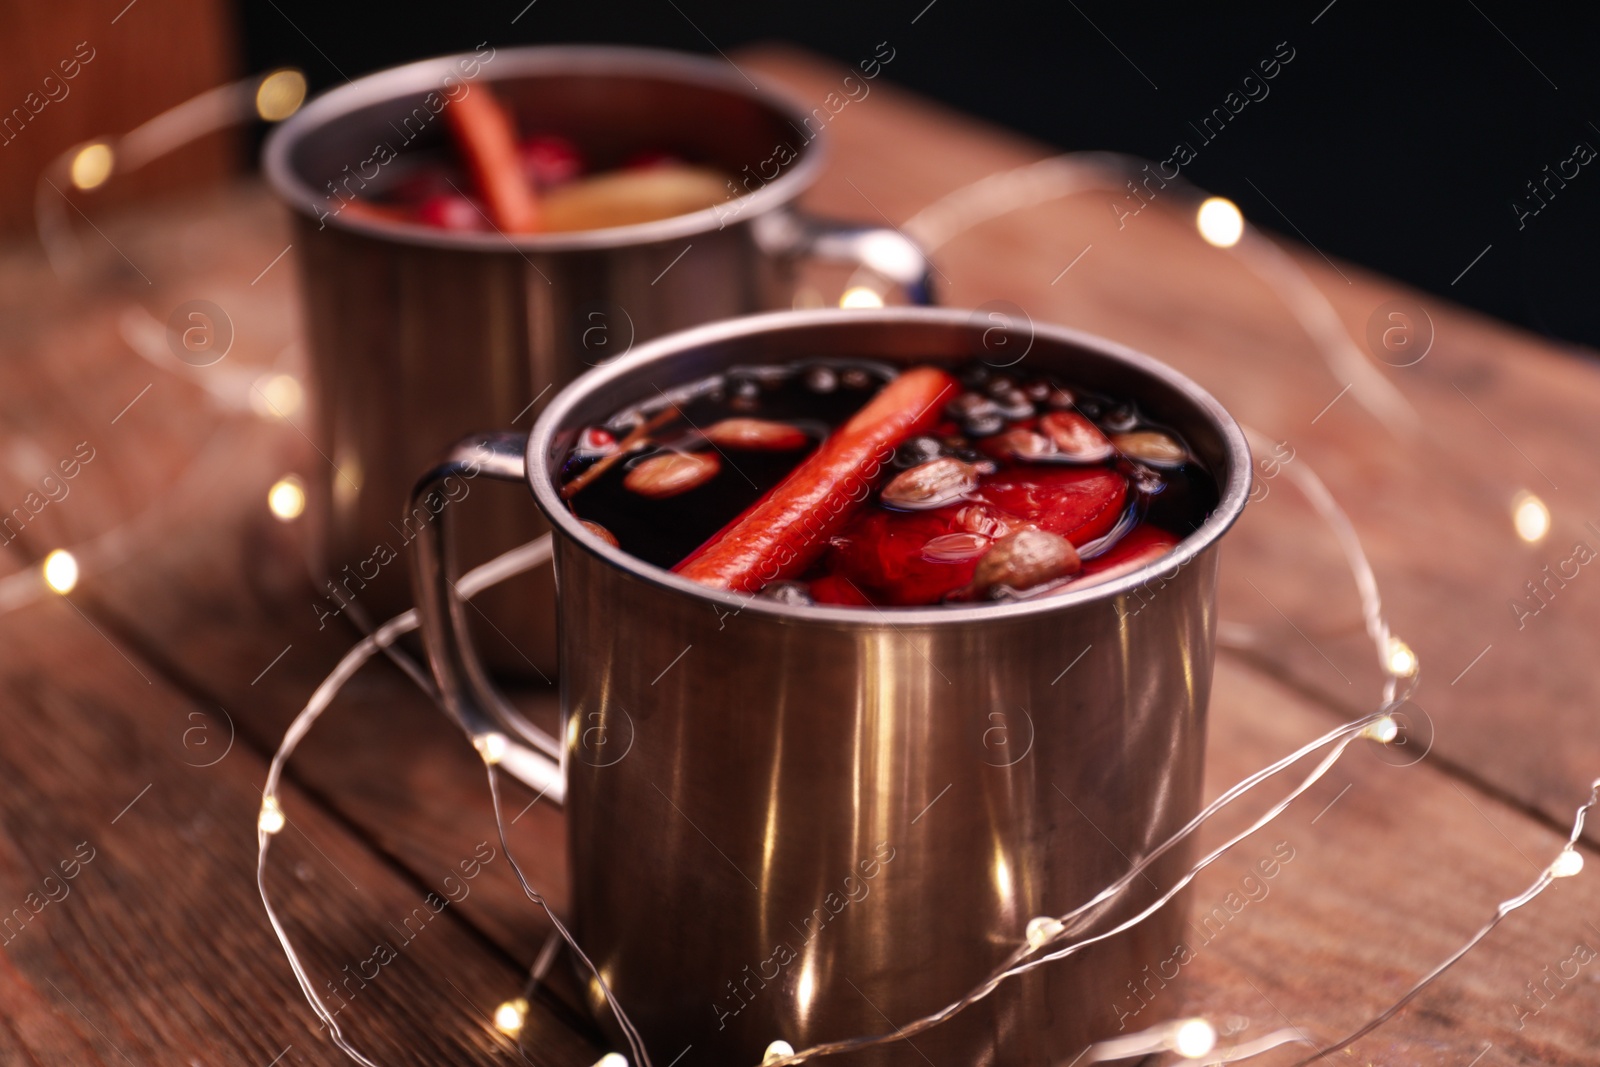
(938,224)
(1333,516)
(516,561)
(1073,173)
(635,1042)
(1014,966)
(1506,907)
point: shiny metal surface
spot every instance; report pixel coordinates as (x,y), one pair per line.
(419,336)
(817,823)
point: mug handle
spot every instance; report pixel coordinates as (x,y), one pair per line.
(883,250)
(464,687)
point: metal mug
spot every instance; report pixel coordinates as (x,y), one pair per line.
(812,823)
(418,336)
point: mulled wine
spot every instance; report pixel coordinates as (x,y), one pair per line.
(845,482)
(492,177)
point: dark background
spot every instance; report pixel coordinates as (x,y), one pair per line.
(1398,137)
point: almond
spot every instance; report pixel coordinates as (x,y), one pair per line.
(1019,444)
(1078,439)
(670,473)
(1152,447)
(954,547)
(931,485)
(1025,559)
(755,435)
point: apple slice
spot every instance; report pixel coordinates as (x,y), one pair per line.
(625,197)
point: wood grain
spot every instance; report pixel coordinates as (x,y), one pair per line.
(208,595)
(158,945)
(79,70)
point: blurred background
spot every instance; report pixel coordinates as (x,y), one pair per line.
(1441,143)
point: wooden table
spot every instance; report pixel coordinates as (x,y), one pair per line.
(139,710)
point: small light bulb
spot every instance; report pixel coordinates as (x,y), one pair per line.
(1041,928)
(276,396)
(1530,517)
(860,296)
(1194,1038)
(1401,661)
(271,819)
(491,746)
(280,94)
(777,1051)
(287,498)
(91,165)
(1569,863)
(612,1059)
(1220,222)
(60,569)
(509,1017)
(1382,730)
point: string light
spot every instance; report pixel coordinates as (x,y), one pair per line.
(1189,1038)
(60,570)
(287,498)
(1042,931)
(88,166)
(1075,173)
(491,746)
(1401,661)
(276,396)
(280,94)
(91,165)
(271,819)
(1194,1038)
(1382,730)
(1530,517)
(859,296)
(1220,222)
(509,1016)
(1567,864)
(612,1059)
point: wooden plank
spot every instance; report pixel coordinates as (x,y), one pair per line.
(80,70)
(1393,868)
(132,929)
(217,595)
(234,614)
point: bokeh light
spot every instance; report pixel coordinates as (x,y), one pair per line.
(859,296)
(1401,661)
(509,1017)
(91,165)
(1530,517)
(1220,222)
(60,569)
(1194,1038)
(276,396)
(280,94)
(287,498)
(271,819)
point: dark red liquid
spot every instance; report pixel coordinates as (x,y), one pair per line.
(1118,511)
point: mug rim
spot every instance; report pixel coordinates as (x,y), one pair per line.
(1232,495)
(426,75)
